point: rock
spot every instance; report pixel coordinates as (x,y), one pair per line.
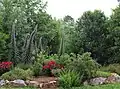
(50,84)
(41,85)
(18,82)
(86,83)
(97,81)
(7,82)
(113,78)
(32,83)
(2,82)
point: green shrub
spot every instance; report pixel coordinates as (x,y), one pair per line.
(17,73)
(24,66)
(102,74)
(37,69)
(56,72)
(69,79)
(84,65)
(64,59)
(41,58)
(113,68)
(3,45)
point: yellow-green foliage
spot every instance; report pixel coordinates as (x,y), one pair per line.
(17,73)
(102,74)
(113,68)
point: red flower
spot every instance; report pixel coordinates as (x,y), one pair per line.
(46,67)
(5,65)
(51,62)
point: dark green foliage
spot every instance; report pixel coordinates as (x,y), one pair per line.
(92,34)
(3,46)
(26,30)
(68,19)
(113,37)
(19,18)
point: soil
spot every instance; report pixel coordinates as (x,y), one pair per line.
(46,79)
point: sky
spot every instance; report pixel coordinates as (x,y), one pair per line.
(75,8)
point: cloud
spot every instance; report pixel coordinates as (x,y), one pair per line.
(75,8)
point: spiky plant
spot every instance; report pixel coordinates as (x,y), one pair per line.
(29,46)
(62,44)
(13,47)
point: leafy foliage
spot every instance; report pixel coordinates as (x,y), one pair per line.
(31,29)
(84,65)
(37,69)
(30,36)
(113,68)
(92,33)
(17,73)
(102,74)
(3,46)
(69,79)
(113,37)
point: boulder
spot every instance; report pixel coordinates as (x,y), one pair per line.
(18,83)
(97,81)
(7,82)
(2,82)
(50,84)
(86,83)
(113,78)
(32,83)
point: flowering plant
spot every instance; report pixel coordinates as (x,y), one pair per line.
(5,66)
(47,68)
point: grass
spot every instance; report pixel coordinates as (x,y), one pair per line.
(18,88)
(108,86)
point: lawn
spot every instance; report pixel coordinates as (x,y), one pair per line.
(18,88)
(109,86)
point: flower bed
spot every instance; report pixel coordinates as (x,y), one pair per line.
(5,66)
(49,66)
